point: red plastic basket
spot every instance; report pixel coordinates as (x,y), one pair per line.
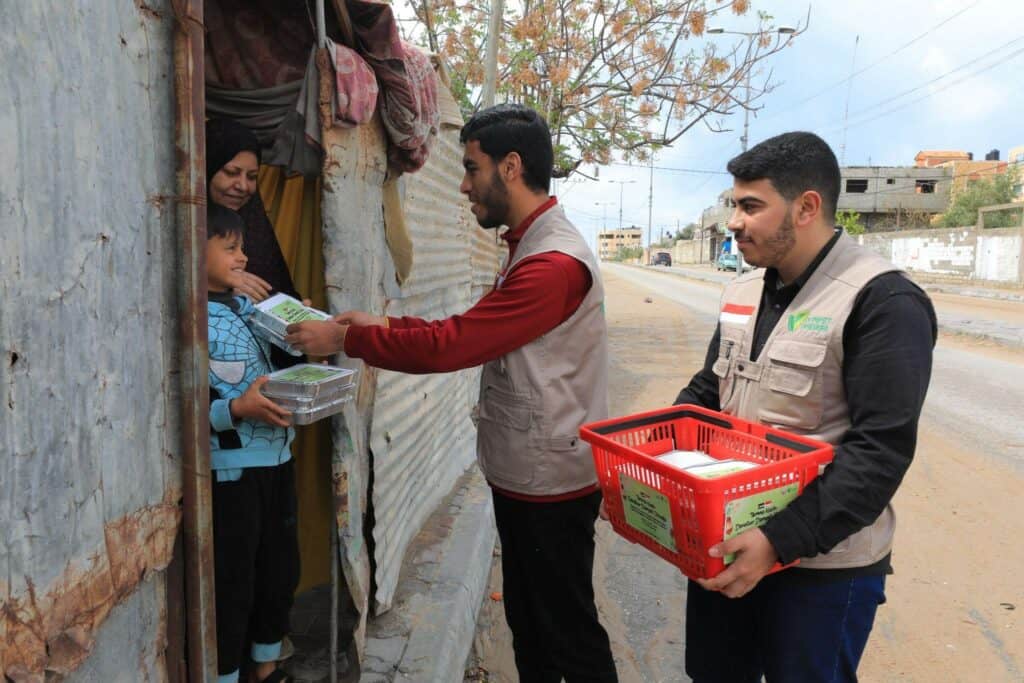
(679,515)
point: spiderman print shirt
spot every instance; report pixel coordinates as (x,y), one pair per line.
(237,358)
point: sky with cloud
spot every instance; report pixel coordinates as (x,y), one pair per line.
(929,74)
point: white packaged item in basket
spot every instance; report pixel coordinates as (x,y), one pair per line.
(281,310)
(686,459)
(720,468)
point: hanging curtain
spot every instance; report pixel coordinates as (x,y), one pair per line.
(293,205)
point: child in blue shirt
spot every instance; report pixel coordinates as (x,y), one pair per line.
(256,551)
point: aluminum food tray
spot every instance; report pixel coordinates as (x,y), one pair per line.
(281,310)
(305,417)
(277,340)
(294,403)
(308,381)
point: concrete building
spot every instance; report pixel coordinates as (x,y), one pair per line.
(1015,157)
(609,242)
(967,172)
(713,226)
(895,197)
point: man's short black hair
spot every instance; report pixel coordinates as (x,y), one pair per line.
(223,222)
(506,128)
(794,163)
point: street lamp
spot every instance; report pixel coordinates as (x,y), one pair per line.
(782,31)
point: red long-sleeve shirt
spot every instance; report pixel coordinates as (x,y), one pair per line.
(540,293)
(536,296)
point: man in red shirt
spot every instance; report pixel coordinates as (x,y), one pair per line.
(540,335)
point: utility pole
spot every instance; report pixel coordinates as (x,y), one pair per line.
(491,65)
(846,113)
(650,206)
(621,183)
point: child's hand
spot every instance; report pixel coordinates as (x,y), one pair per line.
(254,287)
(253,405)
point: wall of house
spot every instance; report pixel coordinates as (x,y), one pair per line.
(965,254)
(901,193)
(89,478)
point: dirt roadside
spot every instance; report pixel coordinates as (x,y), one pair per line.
(955,601)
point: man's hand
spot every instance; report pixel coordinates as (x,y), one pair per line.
(317,337)
(253,405)
(254,287)
(755,557)
(359,319)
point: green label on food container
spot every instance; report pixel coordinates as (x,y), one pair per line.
(306,374)
(294,312)
(743,514)
(647,511)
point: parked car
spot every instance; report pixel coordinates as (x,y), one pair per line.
(730,262)
(662,258)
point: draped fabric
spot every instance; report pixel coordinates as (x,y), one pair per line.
(253,44)
(357,91)
(293,207)
(408,84)
(284,117)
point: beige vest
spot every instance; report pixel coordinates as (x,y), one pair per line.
(534,399)
(796,384)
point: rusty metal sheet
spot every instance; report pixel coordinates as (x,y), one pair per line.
(88,419)
(356,265)
(414,431)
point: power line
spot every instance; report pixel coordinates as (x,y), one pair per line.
(1002,60)
(696,171)
(874,63)
(939,78)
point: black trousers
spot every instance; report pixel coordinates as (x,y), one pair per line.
(547,562)
(256,555)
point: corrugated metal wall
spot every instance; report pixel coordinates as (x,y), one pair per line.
(417,427)
(422,437)
(89,481)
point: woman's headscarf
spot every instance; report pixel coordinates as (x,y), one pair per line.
(225,138)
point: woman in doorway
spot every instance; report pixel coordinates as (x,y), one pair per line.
(232,167)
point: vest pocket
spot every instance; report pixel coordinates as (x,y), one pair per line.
(794,396)
(504,436)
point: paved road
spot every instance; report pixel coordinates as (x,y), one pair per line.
(955,602)
(994,314)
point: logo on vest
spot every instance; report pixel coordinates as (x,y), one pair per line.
(803,320)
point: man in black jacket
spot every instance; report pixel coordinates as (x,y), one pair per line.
(833,342)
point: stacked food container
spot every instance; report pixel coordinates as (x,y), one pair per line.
(272,316)
(311,391)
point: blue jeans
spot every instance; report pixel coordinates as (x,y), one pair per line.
(794,626)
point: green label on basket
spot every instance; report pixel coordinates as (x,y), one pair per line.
(647,511)
(743,514)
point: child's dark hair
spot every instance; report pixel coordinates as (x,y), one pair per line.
(507,128)
(794,163)
(223,222)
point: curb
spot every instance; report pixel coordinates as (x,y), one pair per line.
(428,633)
